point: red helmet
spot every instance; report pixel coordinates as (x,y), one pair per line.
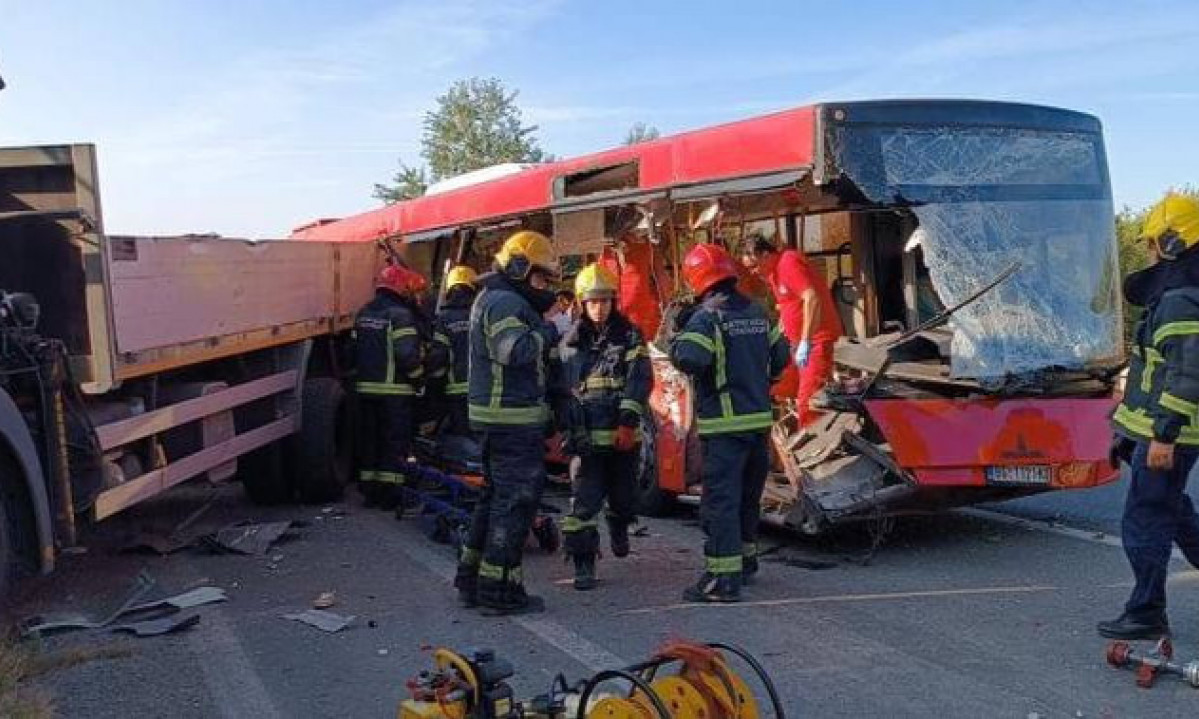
(705,265)
(401,280)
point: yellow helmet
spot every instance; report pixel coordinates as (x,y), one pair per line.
(595,282)
(460,275)
(1173,225)
(525,251)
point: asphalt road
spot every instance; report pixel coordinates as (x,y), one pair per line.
(957,616)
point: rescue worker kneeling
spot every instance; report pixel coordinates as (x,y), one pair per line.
(733,354)
(389,333)
(451,336)
(513,376)
(608,371)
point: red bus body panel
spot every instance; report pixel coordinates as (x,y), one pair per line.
(951,442)
(772,143)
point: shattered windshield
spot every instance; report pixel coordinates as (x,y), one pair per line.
(986,198)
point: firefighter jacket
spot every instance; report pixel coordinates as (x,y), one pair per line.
(1161,399)
(389,336)
(514,369)
(608,371)
(450,349)
(733,354)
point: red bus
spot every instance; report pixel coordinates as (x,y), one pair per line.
(971,252)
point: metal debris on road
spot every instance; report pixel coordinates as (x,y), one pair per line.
(38,625)
(188,600)
(158,627)
(325,600)
(322,619)
(248,538)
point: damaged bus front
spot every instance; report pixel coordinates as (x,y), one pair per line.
(982,311)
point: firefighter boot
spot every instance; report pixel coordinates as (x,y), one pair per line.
(466,581)
(585,578)
(618,534)
(712,588)
(1131,627)
(498,598)
(749,569)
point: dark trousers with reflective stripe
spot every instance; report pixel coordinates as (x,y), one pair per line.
(734,475)
(513,480)
(602,474)
(384,438)
(1158,513)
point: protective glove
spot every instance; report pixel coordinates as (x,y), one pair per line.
(626,438)
(802,351)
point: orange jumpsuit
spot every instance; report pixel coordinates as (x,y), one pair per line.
(644,283)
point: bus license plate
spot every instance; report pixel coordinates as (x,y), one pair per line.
(1034,475)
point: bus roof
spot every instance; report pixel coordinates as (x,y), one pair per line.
(762,145)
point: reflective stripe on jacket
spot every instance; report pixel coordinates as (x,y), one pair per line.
(1161,400)
(389,333)
(733,354)
(610,374)
(451,335)
(513,359)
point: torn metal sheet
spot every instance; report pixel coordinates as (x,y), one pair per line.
(158,627)
(322,619)
(248,538)
(142,585)
(188,600)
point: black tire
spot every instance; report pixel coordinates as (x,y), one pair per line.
(263,477)
(18,541)
(323,447)
(652,500)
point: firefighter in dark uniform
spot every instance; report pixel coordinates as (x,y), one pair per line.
(389,336)
(1156,427)
(608,371)
(451,330)
(514,379)
(733,354)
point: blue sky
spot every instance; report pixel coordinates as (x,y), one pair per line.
(248,118)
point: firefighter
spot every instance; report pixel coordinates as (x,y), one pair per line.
(806,311)
(514,378)
(389,334)
(607,369)
(448,365)
(732,353)
(1156,428)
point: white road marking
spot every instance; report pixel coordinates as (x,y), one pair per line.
(230,675)
(574,645)
(828,599)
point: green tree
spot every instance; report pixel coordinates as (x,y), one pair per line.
(475,124)
(641,132)
(407,183)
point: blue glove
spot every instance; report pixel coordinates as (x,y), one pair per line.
(802,350)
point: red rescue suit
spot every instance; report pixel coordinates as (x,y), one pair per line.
(644,283)
(790,276)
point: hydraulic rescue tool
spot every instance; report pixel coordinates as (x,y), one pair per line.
(1147,666)
(683,680)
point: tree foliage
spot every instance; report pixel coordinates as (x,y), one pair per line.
(475,124)
(641,132)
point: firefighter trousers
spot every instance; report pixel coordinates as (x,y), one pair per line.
(734,475)
(384,441)
(513,480)
(603,474)
(1158,513)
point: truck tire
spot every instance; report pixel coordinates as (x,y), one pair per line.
(322,450)
(263,478)
(17,543)
(652,500)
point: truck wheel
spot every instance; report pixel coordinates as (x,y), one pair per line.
(323,447)
(17,543)
(262,476)
(652,500)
